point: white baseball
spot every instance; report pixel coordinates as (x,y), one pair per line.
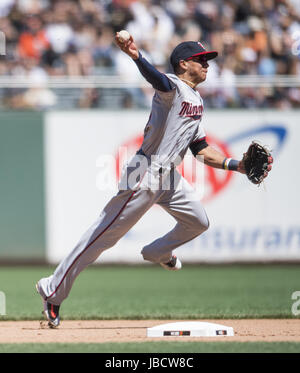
(124,36)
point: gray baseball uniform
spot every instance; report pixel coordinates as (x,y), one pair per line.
(174,124)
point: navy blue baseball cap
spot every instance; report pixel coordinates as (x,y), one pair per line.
(189,49)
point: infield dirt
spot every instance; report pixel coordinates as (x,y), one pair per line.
(104,331)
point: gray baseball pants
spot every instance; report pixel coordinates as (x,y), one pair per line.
(119,215)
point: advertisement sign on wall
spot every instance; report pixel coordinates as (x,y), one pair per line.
(86,150)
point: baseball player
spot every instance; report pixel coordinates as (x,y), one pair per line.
(173,127)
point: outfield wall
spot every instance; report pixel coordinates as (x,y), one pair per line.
(22,202)
(247,223)
(54,167)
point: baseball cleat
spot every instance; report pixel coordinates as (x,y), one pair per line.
(51,312)
(173,265)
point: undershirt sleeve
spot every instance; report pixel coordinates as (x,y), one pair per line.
(198,145)
(157,79)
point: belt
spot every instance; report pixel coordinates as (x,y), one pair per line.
(140,152)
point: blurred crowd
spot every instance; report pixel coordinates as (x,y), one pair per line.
(76,38)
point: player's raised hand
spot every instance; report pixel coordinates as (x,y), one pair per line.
(127,45)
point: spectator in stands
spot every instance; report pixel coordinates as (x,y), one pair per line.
(76,37)
(33,41)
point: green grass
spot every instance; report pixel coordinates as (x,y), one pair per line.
(195,292)
(154,347)
(147,292)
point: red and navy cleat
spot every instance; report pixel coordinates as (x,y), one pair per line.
(51,312)
(173,265)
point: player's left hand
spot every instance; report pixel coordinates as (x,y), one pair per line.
(257,162)
(241,167)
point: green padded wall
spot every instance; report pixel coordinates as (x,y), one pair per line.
(22,221)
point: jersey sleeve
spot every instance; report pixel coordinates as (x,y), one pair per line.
(199,141)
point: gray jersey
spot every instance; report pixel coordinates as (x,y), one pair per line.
(174,122)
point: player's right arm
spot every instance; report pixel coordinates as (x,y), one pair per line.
(157,79)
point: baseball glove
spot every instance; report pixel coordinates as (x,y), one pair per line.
(257,162)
